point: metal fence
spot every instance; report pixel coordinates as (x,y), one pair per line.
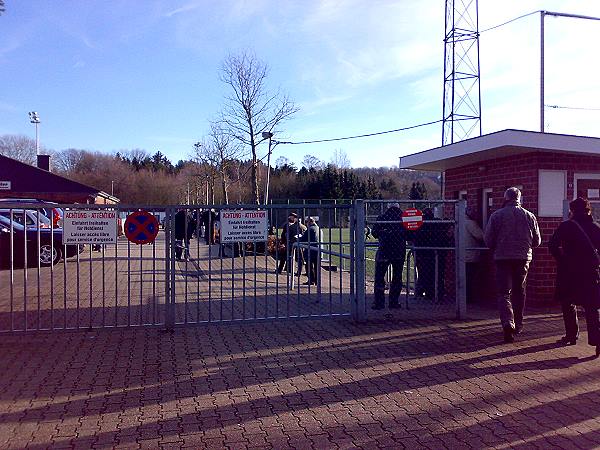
(170,281)
(188,276)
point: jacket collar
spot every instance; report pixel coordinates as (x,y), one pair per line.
(511,203)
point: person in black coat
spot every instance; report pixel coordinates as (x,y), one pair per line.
(391,234)
(575,245)
(311,256)
(433,233)
(185,226)
(209,218)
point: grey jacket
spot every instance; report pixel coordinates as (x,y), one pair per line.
(512,232)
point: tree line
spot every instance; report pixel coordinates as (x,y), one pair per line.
(137,176)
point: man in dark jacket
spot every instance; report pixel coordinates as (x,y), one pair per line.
(389,231)
(511,233)
(290,233)
(185,226)
(208,220)
(575,245)
(311,256)
(433,233)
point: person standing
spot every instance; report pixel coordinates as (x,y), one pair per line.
(391,234)
(474,239)
(185,226)
(431,263)
(575,245)
(511,233)
(311,255)
(290,233)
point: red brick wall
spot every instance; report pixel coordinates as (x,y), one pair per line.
(501,173)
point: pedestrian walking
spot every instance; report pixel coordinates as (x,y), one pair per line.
(511,233)
(575,245)
(391,251)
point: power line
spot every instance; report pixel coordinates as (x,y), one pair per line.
(572,107)
(510,21)
(362,135)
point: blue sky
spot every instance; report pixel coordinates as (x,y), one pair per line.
(127,74)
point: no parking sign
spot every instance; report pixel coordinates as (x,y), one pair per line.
(412,219)
(141,227)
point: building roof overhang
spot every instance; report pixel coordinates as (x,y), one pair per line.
(498,145)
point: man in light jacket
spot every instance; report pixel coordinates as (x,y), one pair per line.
(511,233)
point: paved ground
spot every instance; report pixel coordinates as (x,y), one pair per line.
(405,382)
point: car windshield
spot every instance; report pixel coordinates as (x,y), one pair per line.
(5,223)
(27,217)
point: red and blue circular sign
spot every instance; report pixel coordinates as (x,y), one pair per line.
(141,227)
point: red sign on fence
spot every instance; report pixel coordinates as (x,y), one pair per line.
(412,219)
(141,227)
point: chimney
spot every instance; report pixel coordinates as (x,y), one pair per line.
(43,162)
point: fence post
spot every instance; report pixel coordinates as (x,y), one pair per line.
(169,270)
(359,310)
(460,264)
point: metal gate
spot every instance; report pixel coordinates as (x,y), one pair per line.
(125,285)
(431,269)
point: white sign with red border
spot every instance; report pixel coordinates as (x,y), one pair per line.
(90,227)
(243,226)
(412,219)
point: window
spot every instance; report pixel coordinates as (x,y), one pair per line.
(552,191)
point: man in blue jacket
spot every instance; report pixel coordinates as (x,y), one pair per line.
(511,233)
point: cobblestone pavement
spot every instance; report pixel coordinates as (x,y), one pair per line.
(403,382)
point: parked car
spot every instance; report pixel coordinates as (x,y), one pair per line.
(54,213)
(50,244)
(27,217)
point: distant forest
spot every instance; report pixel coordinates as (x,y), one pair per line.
(136,176)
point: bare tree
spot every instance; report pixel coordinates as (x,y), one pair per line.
(219,150)
(312,162)
(250,109)
(18,147)
(69,160)
(340,159)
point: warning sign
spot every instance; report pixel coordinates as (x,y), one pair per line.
(243,226)
(90,227)
(412,219)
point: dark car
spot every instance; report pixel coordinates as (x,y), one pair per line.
(50,245)
(48,209)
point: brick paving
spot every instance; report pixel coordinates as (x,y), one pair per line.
(409,381)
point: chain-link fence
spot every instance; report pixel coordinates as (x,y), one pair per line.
(411,254)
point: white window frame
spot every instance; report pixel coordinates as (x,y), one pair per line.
(540,172)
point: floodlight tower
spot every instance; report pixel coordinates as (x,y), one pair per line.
(462,91)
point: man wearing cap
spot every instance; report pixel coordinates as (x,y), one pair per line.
(511,233)
(389,231)
(290,233)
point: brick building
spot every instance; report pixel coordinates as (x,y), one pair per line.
(20,180)
(548,168)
